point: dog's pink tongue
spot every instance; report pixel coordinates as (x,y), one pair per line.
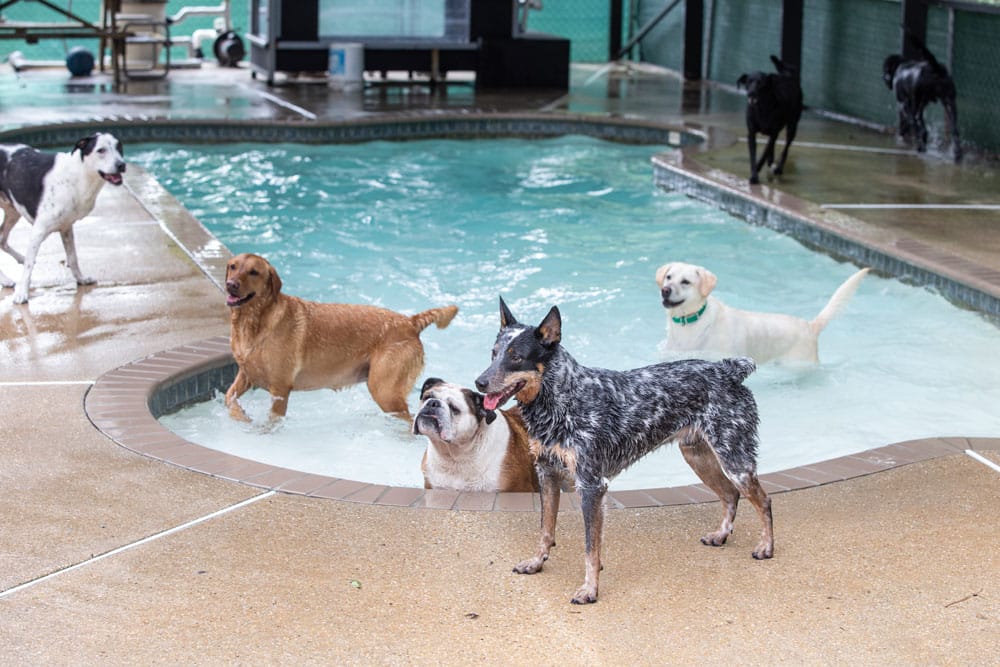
(492,401)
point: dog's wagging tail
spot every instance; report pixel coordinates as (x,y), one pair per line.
(587,425)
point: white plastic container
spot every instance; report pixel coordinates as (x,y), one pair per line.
(347,65)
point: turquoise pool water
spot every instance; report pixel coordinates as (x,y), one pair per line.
(575,222)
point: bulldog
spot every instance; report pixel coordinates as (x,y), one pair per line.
(471,448)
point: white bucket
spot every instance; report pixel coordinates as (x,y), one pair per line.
(347,64)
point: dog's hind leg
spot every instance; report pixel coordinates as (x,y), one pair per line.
(38,234)
(549,494)
(705,464)
(749,485)
(10,218)
(69,245)
(592,504)
(951,113)
(391,374)
(919,126)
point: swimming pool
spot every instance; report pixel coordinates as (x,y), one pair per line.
(574,222)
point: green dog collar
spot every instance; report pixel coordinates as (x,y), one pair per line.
(692,318)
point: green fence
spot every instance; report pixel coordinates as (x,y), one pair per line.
(845,42)
(844,45)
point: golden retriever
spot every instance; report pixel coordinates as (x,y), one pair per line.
(282,342)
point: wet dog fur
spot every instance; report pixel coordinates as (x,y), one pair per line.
(282,342)
(700,324)
(774,102)
(915,84)
(589,424)
(471,448)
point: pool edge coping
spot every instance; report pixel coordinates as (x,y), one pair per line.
(118,405)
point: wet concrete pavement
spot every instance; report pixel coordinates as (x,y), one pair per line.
(899,567)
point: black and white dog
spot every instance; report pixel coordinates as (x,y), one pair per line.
(774,101)
(917,83)
(52,191)
(589,424)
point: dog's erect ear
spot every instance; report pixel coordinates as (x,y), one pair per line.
(550,330)
(85,146)
(661,273)
(742,81)
(428,383)
(707,283)
(506,317)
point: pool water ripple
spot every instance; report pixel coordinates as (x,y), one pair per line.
(575,222)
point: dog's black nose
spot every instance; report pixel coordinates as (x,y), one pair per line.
(481,384)
(432,403)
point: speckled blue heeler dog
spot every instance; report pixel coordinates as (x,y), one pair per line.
(589,424)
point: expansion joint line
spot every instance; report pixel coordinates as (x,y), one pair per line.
(145,540)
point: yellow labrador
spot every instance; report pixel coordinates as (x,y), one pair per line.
(698,322)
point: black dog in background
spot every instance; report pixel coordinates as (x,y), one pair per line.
(916,84)
(774,101)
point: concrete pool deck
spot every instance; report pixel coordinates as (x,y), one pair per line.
(895,567)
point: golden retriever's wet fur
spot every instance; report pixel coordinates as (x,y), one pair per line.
(282,342)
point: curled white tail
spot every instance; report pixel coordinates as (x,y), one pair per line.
(838,301)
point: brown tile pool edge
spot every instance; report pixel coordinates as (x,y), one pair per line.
(119,405)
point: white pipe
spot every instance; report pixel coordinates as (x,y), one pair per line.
(200,35)
(982,459)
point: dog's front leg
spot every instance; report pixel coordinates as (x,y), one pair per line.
(239,387)
(549,483)
(768,156)
(592,504)
(752,145)
(69,245)
(789,138)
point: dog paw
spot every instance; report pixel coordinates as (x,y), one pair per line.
(754,180)
(20,298)
(715,539)
(86,281)
(763,551)
(585,595)
(530,566)
(7,283)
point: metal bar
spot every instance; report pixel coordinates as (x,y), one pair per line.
(645,29)
(694,35)
(791,33)
(615,29)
